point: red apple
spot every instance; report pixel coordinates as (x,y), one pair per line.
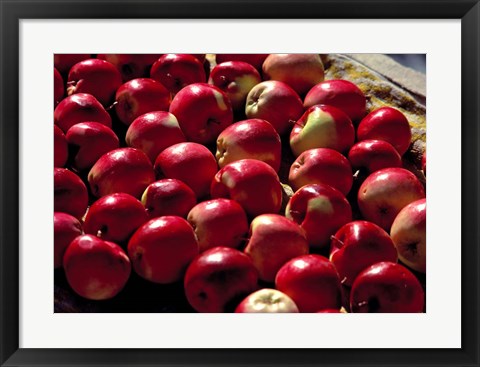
(321,165)
(63,62)
(387,287)
(274,240)
(80,107)
(65,229)
(299,71)
(115,217)
(385,192)
(389,124)
(219,279)
(218,222)
(331,310)
(189,162)
(125,170)
(267,300)
(60,147)
(131,66)
(372,155)
(356,246)
(322,126)
(70,193)
(58,87)
(203,112)
(275,102)
(409,232)
(312,282)
(153,132)
(236,79)
(96,77)
(162,248)
(96,269)
(252,183)
(176,71)
(341,94)
(168,197)
(320,210)
(139,96)
(89,141)
(256,60)
(254,138)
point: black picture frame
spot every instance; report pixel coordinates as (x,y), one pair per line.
(12,11)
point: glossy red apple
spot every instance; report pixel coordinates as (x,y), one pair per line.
(203,112)
(322,126)
(219,279)
(387,191)
(409,234)
(273,241)
(65,229)
(275,102)
(162,248)
(341,94)
(88,141)
(189,162)
(320,210)
(60,147)
(131,66)
(252,183)
(70,193)
(139,96)
(358,245)
(168,197)
(219,222)
(96,269)
(267,300)
(125,170)
(78,108)
(312,282)
(256,60)
(58,87)
(389,124)
(254,139)
(63,62)
(371,155)
(388,288)
(321,165)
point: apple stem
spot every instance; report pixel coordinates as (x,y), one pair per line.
(333,238)
(293,122)
(112,105)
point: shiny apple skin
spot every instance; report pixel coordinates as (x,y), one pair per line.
(176,71)
(125,170)
(189,162)
(218,222)
(60,147)
(131,66)
(203,112)
(387,191)
(96,77)
(96,269)
(312,282)
(219,279)
(115,217)
(90,140)
(319,203)
(256,60)
(341,94)
(252,183)
(356,246)
(273,241)
(63,62)
(371,155)
(321,165)
(322,126)
(70,193)
(78,108)
(139,96)
(275,102)
(162,248)
(249,139)
(386,287)
(58,87)
(153,132)
(409,234)
(236,79)
(267,300)
(389,124)
(65,229)
(168,197)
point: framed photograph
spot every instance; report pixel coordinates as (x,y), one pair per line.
(59,318)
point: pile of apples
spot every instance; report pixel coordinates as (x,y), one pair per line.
(180,172)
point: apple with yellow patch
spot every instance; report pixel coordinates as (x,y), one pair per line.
(267,300)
